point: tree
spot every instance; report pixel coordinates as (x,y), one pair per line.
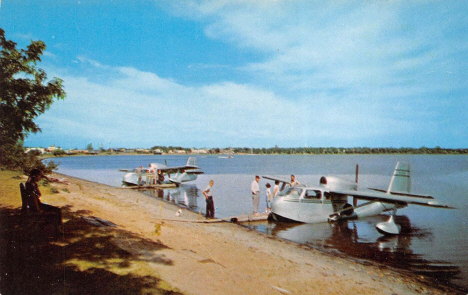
(25,93)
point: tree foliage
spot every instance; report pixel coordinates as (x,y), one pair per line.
(25,93)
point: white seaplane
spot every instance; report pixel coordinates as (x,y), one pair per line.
(148,176)
(329,200)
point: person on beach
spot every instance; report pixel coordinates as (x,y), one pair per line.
(35,204)
(210,210)
(254,187)
(276,188)
(268,198)
(293,182)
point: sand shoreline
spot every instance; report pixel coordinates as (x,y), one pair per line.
(214,258)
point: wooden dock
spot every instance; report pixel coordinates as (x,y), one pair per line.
(148,187)
(234,219)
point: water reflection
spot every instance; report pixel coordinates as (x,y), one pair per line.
(185,196)
(356,238)
(360,240)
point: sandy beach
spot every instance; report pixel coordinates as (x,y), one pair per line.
(119,241)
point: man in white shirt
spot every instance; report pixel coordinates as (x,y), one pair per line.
(255,188)
(139,173)
(276,188)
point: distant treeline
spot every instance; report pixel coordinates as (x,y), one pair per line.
(359,150)
(323,150)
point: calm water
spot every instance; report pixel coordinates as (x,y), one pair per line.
(434,241)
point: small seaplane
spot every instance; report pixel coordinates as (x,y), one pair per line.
(328,201)
(148,176)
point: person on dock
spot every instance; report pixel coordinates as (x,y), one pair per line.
(276,188)
(35,204)
(210,210)
(160,178)
(254,187)
(149,178)
(139,173)
(268,198)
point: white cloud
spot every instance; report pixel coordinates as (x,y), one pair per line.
(312,44)
(341,73)
(141,107)
(137,106)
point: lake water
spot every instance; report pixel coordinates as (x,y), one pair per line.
(434,242)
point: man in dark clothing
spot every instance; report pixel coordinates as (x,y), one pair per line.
(210,210)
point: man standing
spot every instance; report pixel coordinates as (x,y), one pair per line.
(268,198)
(276,188)
(255,188)
(139,173)
(160,178)
(210,212)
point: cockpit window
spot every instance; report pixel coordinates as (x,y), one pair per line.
(313,194)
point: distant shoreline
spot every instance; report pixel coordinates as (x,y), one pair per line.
(439,152)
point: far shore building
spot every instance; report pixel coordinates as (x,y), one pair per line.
(40,149)
(53,148)
(143,151)
(180,152)
(200,151)
(227,151)
(157,152)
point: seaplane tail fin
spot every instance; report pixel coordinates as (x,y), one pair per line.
(401,179)
(192,161)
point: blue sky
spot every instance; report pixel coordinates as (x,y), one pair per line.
(250,73)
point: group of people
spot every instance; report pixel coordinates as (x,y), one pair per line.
(152,177)
(269,196)
(255,188)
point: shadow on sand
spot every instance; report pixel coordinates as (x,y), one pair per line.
(85,260)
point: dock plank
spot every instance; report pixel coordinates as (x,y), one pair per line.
(146,187)
(235,219)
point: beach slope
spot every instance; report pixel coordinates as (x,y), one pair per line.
(119,241)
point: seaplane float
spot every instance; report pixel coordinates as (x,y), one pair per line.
(328,201)
(155,174)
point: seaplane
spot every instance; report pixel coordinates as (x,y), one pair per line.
(328,201)
(148,176)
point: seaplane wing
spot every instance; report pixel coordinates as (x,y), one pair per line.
(144,170)
(399,193)
(275,178)
(398,198)
(283,181)
(191,167)
(175,169)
